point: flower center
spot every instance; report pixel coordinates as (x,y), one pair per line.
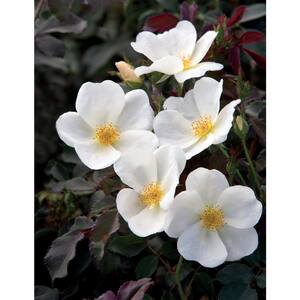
(186,62)
(202,126)
(107,134)
(152,194)
(212,218)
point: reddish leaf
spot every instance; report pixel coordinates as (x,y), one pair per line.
(160,23)
(259,59)
(251,37)
(188,11)
(235,59)
(236,16)
(134,290)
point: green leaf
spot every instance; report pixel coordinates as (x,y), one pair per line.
(261,280)
(45,293)
(129,245)
(169,250)
(234,273)
(146,266)
(171,5)
(237,292)
(63,248)
(163,78)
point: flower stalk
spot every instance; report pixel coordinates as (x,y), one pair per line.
(177,278)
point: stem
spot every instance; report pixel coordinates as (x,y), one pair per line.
(187,291)
(252,169)
(177,278)
(224,151)
(180,89)
(167,266)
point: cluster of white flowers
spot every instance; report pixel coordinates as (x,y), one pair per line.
(212,221)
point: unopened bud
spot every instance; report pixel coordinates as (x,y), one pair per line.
(126,72)
(241,127)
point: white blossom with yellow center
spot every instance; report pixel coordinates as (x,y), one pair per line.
(107,123)
(194,122)
(152,178)
(176,52)
(212,221)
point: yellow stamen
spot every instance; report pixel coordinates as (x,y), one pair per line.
(186,63)
(202,127)
(212,218)
(152,194)
(107,134)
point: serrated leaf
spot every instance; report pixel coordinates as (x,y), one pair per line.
(129,245)
(63,249)
(146,266)
(100,201)
(235,273)
(237,292)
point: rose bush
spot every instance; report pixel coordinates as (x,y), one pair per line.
(157,183)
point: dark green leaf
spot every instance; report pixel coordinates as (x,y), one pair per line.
(261,280)
(235,272)
(129,245)
(171,5)
(45,293)
(237,292)
(146,266)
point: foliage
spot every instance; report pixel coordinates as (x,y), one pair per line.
(84,250)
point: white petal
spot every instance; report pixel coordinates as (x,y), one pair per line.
(128,203)
(95,156)
(203,45)
(72,129)
(201,245)
(185,106)
(199,146)
(169,65)
(99,103)
(207,92)
(137,112)
(136,139)
(208,183)
(148,44)
(148,221)
(170,164)
(137,168)
(172,128)
(198,71)
(183,213)
(240,207)
(181,40)
(238,242)
(224,122)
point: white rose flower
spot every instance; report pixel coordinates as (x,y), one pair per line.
(153,177)
(107,123)
(194,122)
(176,52)
(214,222)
